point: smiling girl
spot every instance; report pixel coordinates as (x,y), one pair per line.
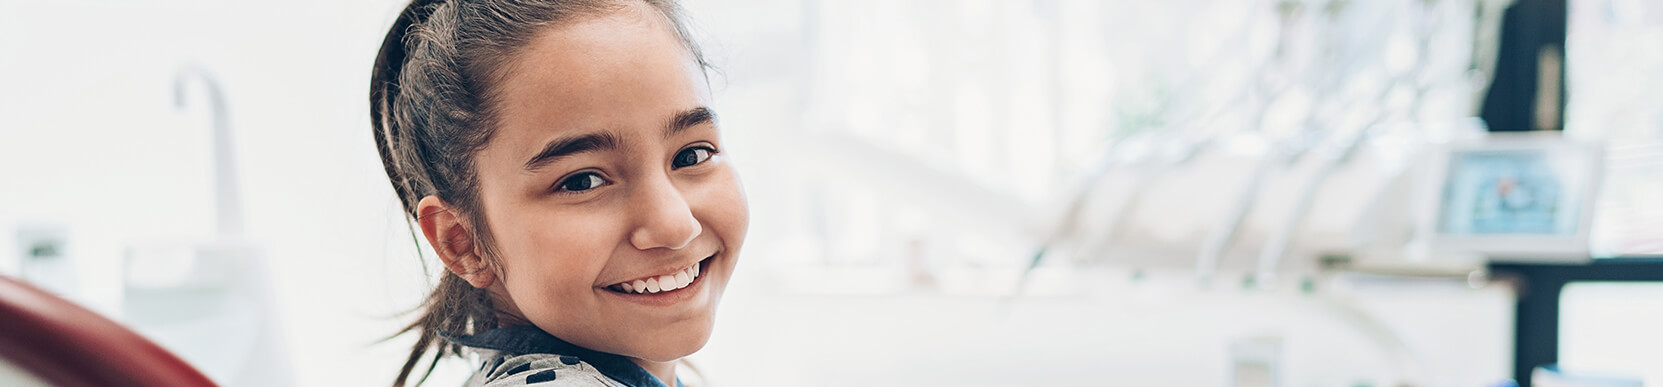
(562,159)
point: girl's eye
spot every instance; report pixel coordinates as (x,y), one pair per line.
(582,182)
(691,156)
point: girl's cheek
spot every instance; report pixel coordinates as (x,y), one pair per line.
(736,210)
(739,191)
(565,244)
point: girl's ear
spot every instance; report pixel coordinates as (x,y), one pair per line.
(454,242)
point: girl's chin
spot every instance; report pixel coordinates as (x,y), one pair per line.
(670,348)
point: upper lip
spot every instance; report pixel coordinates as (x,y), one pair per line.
(671,270)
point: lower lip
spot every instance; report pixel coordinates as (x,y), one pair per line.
(672,297)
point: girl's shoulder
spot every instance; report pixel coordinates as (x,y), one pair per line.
(538,369)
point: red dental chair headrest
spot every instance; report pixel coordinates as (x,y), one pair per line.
(66,345)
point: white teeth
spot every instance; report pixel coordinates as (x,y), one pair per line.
(663,283)
(682,280)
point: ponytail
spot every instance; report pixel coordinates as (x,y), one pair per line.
(454,306)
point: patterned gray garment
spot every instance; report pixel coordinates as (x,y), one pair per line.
(527,356)
(537,369)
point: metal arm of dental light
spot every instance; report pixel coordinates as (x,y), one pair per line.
(1184,150)
(1290,151)
(1276,245)
(1187,144)
(1219,240)
(1222,236)
(1275,248)
(1411,368)
(1171,151)
(228,219)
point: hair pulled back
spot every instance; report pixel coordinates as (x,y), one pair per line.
(431,110)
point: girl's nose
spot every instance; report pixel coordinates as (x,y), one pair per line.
(663,218)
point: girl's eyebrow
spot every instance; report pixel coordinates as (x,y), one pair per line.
(570,145)
(606,140)
(688,119)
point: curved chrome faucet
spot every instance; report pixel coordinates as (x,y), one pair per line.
(227,203)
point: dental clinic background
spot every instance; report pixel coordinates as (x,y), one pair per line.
(970,193)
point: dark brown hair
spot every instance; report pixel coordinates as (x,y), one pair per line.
(431,109)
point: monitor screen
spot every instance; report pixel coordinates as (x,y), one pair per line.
(1505,192)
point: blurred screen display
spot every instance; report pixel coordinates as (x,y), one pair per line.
(1504,192)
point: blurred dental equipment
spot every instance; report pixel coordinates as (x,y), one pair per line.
(1295,155)
(45,258)
(1512,198)
(1337,136)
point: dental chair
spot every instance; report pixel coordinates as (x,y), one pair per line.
(47,340)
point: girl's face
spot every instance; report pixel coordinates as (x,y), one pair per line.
(607,171)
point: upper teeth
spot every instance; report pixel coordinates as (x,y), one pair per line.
(663,283)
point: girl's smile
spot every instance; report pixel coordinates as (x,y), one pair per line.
(680,286)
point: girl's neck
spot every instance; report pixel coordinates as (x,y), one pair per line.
(665,371)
